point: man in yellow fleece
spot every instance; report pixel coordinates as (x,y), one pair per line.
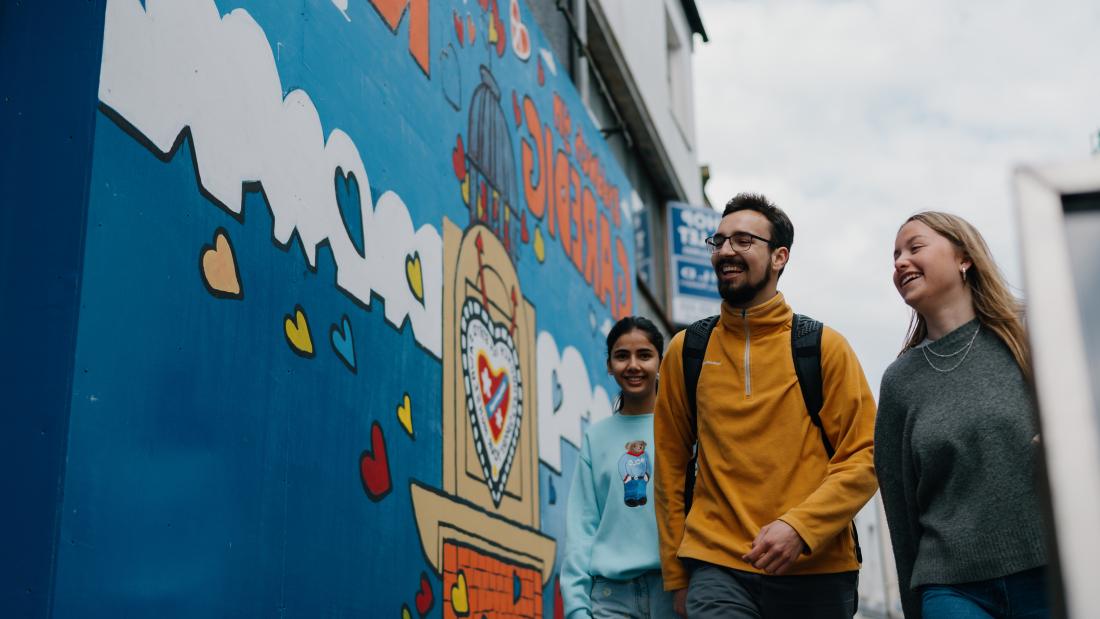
(769,531)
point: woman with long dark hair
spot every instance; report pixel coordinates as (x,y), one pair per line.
(612,563)
(956,439)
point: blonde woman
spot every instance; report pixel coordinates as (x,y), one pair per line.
(956,440)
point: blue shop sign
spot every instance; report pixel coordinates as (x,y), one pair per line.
(694,286)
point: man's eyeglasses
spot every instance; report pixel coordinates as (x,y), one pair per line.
(739,241)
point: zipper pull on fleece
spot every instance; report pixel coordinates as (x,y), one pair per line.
(748,355)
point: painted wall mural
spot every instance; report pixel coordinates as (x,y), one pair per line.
(349,267)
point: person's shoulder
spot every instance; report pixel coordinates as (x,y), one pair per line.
(600,430)
(987,337)
(672,359)
(835,348)
(676,344)
(831,338)
(600,427)
(899,372)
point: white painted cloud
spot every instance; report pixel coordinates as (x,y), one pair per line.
(854,114)
(342,6)
(563,381)
(548,60)
(181,64)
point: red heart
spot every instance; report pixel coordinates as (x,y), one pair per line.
(424,597)
(515,108)
(374,466)
(494,395)
(524,44)
(500,37)
(458,158)
(559,603)
(459,30)
(523,229)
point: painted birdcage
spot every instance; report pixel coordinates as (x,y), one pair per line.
(492,165)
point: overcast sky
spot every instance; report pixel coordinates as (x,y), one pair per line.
(852,115)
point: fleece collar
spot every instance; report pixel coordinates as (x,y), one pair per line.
(770,316)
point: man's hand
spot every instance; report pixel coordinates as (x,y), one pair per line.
(775,548)
(679,602)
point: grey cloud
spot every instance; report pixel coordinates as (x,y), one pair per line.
(853,115)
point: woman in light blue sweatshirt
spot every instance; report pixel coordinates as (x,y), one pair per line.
(612,566)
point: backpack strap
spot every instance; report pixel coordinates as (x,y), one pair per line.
(806,352)
(695,347)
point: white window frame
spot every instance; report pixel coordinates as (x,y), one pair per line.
(1068,417)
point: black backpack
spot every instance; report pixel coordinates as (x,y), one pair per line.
(806,353)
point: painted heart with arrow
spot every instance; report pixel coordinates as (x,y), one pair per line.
(494,392)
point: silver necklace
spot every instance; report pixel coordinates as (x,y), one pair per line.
(965,350)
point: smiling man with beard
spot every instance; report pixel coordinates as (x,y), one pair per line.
(768,534)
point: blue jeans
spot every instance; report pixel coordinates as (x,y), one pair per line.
(1022,595)
(643,597)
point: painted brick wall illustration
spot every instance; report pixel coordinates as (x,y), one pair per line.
(494,587)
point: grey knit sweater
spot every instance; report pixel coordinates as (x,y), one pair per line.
(955,454)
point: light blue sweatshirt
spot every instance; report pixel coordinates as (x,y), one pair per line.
(610,525)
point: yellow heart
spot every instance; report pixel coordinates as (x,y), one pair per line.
(219,268)
(404,414)
(540,248)
(297,333)
(492,30)
(405,613)
(415,276)
(460,602)
(466,190)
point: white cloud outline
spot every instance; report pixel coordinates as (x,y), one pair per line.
(178,65)
(579,399)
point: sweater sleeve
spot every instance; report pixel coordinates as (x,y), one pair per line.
(582,518)
(673,436)
(848,415)
(894,466)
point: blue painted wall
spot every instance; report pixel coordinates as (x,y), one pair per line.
(264,363)
(47,114)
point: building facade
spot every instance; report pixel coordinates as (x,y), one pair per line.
(631,62)
(312,297)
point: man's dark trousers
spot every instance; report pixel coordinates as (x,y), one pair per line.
(718,592)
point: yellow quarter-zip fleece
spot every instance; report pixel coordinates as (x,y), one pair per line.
(761,458)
